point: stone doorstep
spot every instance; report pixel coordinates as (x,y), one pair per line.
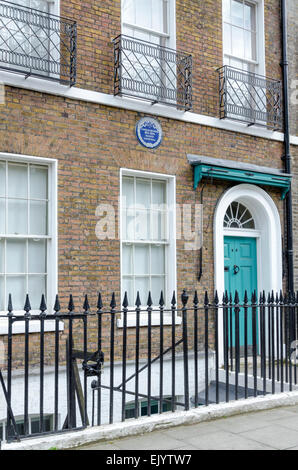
(144,425)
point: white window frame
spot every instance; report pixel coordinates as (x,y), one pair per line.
(52,249)
(259,63)
(171,263)
(170,36)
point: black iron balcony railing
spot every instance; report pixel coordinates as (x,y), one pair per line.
(250,98)
(152,72)
(37,43)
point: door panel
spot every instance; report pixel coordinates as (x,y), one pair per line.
(240,274)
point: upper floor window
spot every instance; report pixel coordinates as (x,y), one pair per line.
(34,40)
(240,35)
(147,20)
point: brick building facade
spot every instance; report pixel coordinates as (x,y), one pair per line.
(77,148)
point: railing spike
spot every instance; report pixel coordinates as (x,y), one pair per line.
(27,306)
(57,306)
(86,305)
(71,306)
(173,301)
(125,301)
(99,302)
(161,300)
(149,301)
(113,301)
(216,300)
(245,297)
(281,297)
(196,299)
(206,299)
(138,300)
(236,300)
(9,306)
(43,305)
(261,298)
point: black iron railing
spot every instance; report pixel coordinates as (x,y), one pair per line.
(250,98)
(37,43)
(152,72)
(94,368)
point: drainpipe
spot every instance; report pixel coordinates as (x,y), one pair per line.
(287,155)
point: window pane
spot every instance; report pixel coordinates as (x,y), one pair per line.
(16,256)
(127,286)
(159,231)
(238,42)
(1,256)
(38,218)
(128,223)
(37,287)
(143,193)
(142,225)
(227,39)
(38,182)
(157,285)
(141,261)
(237,13)
(16,286)
(3,301)
(127,192)
(226,12)
(17,180)
(157,260)
(2,216)
(17,217)
(143,13)
(37,256)
(158,16)
(158,193)
(128,11)
(142,285)
(248,45)
(249,17)
(127,259)
(2,179)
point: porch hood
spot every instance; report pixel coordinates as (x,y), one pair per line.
(231,170)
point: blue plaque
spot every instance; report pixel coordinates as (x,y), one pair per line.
(149,132)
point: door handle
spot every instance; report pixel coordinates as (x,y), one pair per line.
(236,269)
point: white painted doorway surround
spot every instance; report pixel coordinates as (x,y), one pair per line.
(267,232)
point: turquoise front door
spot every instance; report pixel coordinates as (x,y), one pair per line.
(240,274)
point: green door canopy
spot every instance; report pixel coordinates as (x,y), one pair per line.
(228,170)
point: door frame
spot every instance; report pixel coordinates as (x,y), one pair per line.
(269,242)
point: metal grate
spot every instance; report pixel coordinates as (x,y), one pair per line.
(152,72)
(250,98)
(37,43)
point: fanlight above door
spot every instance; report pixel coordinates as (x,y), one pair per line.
(238,216)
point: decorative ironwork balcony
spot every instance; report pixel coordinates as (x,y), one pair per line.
(250,98)
(37,43)
(152,72)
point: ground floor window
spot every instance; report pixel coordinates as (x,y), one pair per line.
(143,408)
(147,236)
(26,232)
(34,425)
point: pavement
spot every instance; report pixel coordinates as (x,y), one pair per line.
(275,429)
